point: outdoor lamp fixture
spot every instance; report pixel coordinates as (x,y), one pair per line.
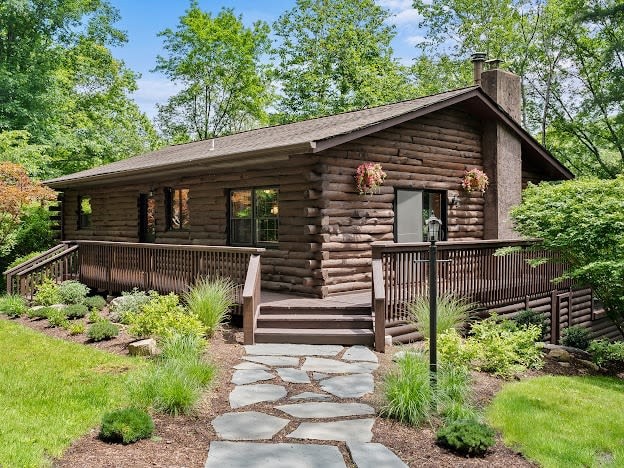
(433,234)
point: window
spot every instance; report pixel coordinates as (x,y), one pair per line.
(177,209)
(413,208)
(254,216)
(84,212)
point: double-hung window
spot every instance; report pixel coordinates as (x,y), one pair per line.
(84,212)
(254,216)
(177,209)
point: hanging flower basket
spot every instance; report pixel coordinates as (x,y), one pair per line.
(475,180)
(368,178)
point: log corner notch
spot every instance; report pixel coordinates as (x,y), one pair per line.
(251,299)
(379,306)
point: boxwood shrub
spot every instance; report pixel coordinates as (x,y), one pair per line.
(126,426)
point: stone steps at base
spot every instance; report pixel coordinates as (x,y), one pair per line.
(351,336)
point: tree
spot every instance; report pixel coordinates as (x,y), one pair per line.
(17,193)
(217,61)
(15,147)
(335,56)
(583,221)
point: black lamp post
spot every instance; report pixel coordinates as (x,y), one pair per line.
(433,234)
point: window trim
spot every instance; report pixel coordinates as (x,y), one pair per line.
(445,208)
(169,209)
(81,217)
(254,219)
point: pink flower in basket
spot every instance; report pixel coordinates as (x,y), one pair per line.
(475,180)
(369,177)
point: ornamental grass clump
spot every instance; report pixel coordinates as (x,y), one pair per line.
(210,300)
(452,312)
(13,305)
(126,426)
(72,292)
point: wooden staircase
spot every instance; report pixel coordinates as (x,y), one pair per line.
(318,324)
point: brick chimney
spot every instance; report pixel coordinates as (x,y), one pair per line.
(502,152)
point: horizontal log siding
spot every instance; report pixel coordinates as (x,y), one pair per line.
(294,266)
(430,152)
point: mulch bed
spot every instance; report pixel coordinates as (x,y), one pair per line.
(183,441)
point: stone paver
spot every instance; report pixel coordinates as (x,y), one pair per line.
(357,430)
(276,361)
(334,366)
(250,425)
(319,375)
(359,353)
(247,454)
(310,396)
(369,455)
(242,377)
(267,349)
(249,394)
(349,386)
(325,410)
(250,366)
(293,375)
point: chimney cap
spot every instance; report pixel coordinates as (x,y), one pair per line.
(478,57)
(494,63)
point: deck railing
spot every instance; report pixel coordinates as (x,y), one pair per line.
(466,269)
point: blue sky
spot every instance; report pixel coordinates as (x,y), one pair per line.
(143,19)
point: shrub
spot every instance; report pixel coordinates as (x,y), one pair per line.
(47,293)
(13,305)
(210,300)
(130,303)
(576,337)
(453,350)
(75,311)
(57,318)
(94,316)
(466,437)
(126,426)
(72,292)
(163,316)
(40,313)
(528,317)
(76,328)
(452,313)
(502,348)
(604,352)
(95,302)
(102,330)
(23,259)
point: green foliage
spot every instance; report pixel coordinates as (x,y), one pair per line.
(466,437)
(130,303)
(500,347)
(451,313)
(217,60)
(76,328)
(605,352)
(102,330)
(57,318)
(175,383)
(94,316)
(163,316)
(72,292)
(13,305)
(575,336)
(210,300)
(47,293)
(126,426)
(40,313)
(527,317)
(453,350)
(23,259)
(95,302)
(74,311)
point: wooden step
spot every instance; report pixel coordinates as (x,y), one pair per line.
(297,321)
(315,336)
(314,310)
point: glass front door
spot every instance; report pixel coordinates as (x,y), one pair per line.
(412,209)
(147,218)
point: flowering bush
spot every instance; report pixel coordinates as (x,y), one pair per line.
(369,177)
(474,180)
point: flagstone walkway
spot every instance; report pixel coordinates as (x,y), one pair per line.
(294,406)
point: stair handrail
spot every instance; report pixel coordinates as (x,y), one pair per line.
(12,272)
(379,305)
(251,299)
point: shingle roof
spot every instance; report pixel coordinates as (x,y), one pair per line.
(262,139)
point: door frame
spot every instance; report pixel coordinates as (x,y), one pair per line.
(444,217)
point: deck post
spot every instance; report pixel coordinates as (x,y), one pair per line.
(251,299)
(379,306)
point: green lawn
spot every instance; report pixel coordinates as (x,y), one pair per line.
(563,421)
(51,392)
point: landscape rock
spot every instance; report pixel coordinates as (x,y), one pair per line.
(575,351)
(319,375)
(277,361)
(310,396)
(356,430)
(563,363)
(244,395)
(370,455)
(401,354)
(325,410)
(359,353)
(559,354)
(248,376)
(349,386)
(249,366)
(145,347)
(269,349)
(333,366)
(589,365)
(250,425)
(293,375)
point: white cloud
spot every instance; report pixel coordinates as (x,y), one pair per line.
(415,40)
(152,91)
(406,17)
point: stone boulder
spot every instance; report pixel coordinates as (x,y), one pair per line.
(145,347)
(559,354)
